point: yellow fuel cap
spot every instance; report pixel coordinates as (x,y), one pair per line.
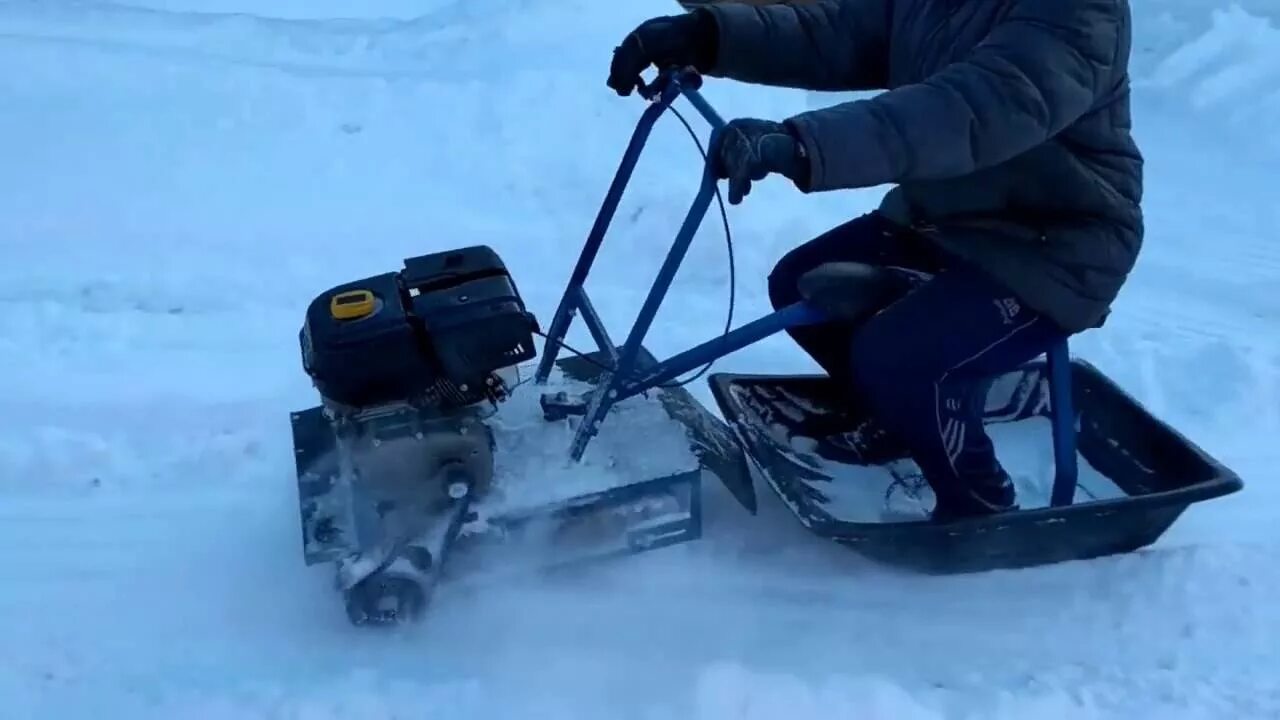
(352,305)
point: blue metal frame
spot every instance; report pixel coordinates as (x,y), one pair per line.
(623,381)
(1063,418)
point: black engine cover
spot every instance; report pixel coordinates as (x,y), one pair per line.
(433,332)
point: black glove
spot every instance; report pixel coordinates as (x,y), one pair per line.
(688,39)
(747,150)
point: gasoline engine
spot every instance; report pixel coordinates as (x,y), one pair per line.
(406,363)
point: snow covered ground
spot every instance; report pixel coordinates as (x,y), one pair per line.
(177,180)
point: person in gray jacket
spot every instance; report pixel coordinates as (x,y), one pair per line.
(1015,215)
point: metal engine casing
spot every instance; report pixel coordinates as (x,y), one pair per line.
(370,480)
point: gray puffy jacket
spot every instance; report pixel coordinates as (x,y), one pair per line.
(1006,127)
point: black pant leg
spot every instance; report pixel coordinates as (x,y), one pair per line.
(922,365)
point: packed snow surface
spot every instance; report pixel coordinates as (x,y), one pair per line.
(181,177)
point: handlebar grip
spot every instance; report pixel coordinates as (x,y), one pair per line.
(684,81)
(685,78)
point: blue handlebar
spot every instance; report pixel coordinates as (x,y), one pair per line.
(661,93)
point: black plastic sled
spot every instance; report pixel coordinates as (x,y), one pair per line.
(1136,474)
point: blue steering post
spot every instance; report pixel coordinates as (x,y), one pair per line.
(623,379)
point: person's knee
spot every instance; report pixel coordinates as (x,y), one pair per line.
(863,239)
(784,280)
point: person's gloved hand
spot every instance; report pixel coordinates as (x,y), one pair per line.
(747,150)
(684,40)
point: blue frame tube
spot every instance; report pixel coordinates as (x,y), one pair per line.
(594,324)
(667,274)
(569,304)
(709,113)
(1063,417)
(664,372)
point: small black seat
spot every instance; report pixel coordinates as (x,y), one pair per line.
(850,291)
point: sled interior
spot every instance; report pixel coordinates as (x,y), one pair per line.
(543,511)
(1135,473)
